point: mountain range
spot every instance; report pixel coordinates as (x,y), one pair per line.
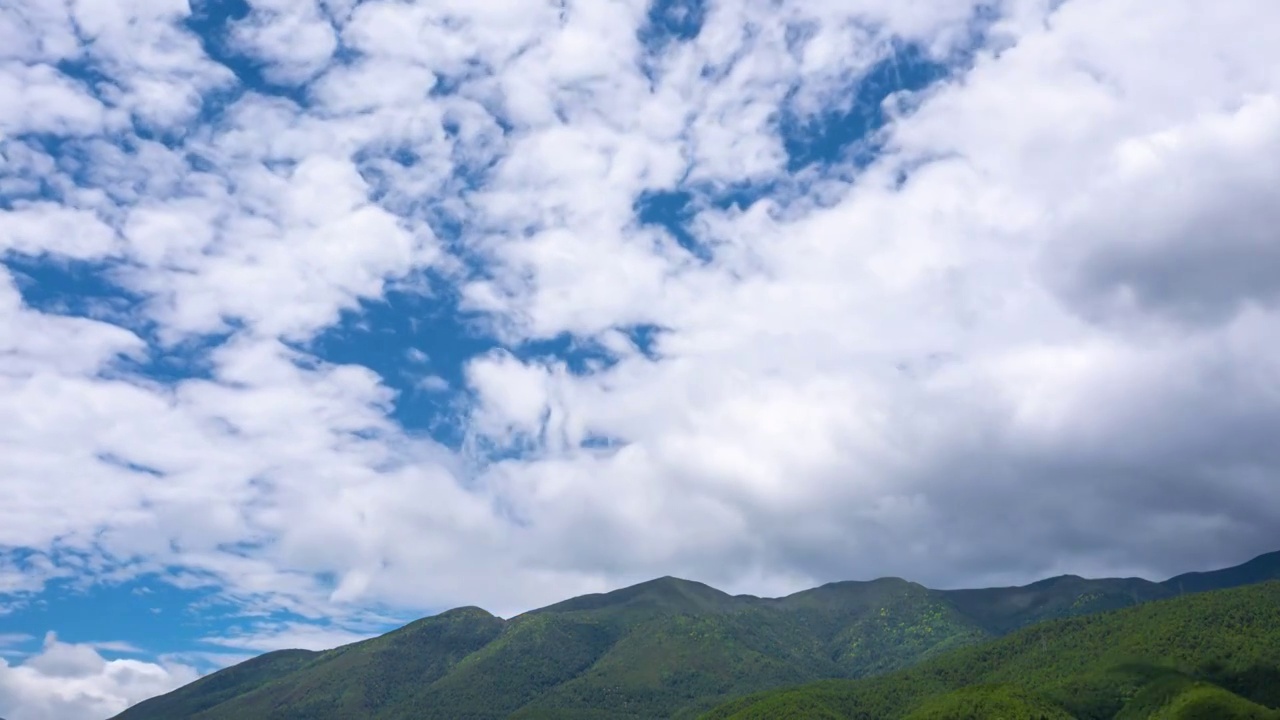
(1206,656)
(665,648)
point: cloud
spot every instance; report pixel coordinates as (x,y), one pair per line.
(1027,335)
(433,383)
(894,364)
(43,100)
(67,681)
(1183,228)
(48,228)
(292,41)
(311,246)
(289,636)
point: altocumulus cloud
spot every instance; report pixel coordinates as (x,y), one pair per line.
(763,294)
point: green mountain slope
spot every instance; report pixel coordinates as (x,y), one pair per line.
(351,681)
(226,685)
(1209,655)
(1001,610)
(665,648)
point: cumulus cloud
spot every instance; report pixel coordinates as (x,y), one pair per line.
(1028,335)
(42,99)
(292,40)
(68,681)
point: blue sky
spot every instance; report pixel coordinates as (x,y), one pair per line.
(321,316)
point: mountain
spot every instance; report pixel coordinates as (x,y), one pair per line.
(1260,569)
(664,648)
(1002,610)
(1212,655)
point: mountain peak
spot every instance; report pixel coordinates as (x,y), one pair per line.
(664,593)
(862,593)
(467,611)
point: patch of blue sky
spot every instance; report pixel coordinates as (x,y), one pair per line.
(79,288)
(77,599)
(646,337)
(673,210)
(578,356)
(672,21)
(136,608)
(198,623)
(213,21)
(667,22)
(418,341)
(847,131)
(196,615)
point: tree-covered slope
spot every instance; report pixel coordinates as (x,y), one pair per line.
(1001,610)
(665,648)
(1207,655)
(225,685)
(356,680)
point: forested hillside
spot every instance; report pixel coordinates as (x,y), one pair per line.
(665,648)
(1210,656)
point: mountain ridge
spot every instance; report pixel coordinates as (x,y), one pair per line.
(666,647)
(1199,656)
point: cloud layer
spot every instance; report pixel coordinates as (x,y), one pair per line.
(1017,321)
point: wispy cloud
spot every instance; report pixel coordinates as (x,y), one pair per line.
(8,639)
(289,636)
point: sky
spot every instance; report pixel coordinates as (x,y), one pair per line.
(318,316)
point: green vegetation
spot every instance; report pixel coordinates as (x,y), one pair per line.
(987,702)
(1213,655)
(672,648)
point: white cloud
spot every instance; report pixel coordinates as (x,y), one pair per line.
(1183,227)
(67,681)
(158,69)
(49,228)
(37,32)
(512,395)
(290,636)
(433,384)
(308,246)
(293,40)
(40,99)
